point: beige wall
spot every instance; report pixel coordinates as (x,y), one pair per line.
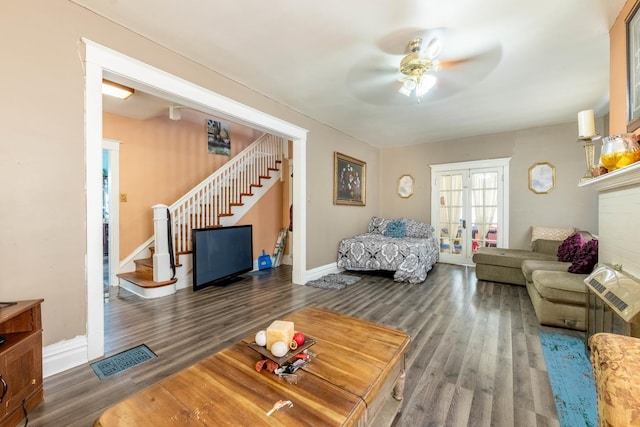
(328,223)
(160,161)
(565,205)
(266,219)
(43,242)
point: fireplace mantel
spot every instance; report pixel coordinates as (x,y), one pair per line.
(624,177)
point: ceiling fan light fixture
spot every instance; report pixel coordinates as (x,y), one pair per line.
(415,66)
(425,84)
(408,85)
(403,90)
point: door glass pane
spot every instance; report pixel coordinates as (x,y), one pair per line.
(451,204)
(484,209)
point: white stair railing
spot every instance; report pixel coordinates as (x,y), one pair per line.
(215,196)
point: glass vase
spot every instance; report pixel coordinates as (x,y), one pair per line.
(619,151)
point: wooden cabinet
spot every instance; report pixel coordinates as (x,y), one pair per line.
(20,360)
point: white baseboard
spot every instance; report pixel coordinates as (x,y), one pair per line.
(148,293)
(318,272)
(184,273)
(64,355)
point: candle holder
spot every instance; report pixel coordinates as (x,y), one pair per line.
(589,153)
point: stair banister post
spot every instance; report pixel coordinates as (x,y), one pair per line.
(161,257)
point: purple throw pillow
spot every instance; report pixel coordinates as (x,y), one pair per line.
(569,247)
(586,258)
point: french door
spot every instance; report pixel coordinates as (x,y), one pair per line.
(469,207)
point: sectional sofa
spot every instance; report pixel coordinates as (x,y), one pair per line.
(558,295)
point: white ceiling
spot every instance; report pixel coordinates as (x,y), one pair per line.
(516,64)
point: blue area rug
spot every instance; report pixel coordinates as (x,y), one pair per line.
(122,361)
(571,377)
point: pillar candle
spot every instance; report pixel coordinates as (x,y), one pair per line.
(586,124)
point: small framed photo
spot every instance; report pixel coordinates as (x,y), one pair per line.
(349,180)
(542,178)
(633,69)
(218,141)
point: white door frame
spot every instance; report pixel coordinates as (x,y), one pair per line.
(102,62)
(503,215)
(113,148)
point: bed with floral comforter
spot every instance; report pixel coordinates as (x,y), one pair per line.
(408,247)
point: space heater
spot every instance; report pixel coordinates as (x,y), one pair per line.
(613,302)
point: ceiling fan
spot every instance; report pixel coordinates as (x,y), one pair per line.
(418,67)
(422,66)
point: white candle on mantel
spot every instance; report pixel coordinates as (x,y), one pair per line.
(586,124)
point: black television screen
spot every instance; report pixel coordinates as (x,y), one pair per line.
(221,254)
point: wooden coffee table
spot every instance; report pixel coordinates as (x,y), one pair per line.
(356,379)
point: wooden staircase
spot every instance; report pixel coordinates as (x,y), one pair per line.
(213,211)
(142,277)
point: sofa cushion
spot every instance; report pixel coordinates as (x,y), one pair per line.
(508,257)
(531,265)
(560,286)
(569,247)
(586,258)
(547,246)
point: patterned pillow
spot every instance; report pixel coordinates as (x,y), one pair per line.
(586,258)
(377,225)
(569,247)
(396,229)
(551,233)
(418,228)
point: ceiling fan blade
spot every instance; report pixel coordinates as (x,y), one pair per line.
(453,63)
(456,75)
(431,48)
(396,42)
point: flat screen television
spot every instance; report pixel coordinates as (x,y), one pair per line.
(221,254)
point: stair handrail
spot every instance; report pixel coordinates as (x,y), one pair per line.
(215,196)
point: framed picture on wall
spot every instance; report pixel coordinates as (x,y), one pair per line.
(405,186)
(349,180)
(633,69)
(542,178)
(218,141)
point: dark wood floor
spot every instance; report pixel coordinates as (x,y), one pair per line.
(475,357)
